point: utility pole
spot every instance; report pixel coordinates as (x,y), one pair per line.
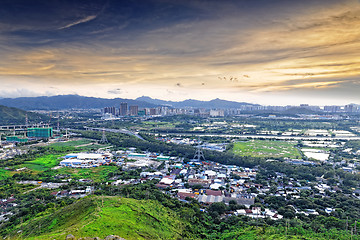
(347,218)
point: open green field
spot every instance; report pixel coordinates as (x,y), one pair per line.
(147,125)
(97,174)
(4,174)
(43,163)
(72,143)
(103,216)
(265,148)
(79,145)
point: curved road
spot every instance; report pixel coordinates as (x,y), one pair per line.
(124,131)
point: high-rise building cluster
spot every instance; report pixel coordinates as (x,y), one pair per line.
(124,110)
(134,110)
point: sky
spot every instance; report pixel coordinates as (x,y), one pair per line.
(270,52)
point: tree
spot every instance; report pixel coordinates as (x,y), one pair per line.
(218,207)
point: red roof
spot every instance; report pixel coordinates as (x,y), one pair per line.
(213,192)
(183,195)
(163,186)
(248,211)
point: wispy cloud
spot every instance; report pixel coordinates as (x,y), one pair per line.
(83,20)
(116,91)
(299,47)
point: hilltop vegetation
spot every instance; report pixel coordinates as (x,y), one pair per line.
(148,214)
(10,115)
(103,216)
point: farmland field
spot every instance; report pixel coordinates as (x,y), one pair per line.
(79,145)
(4,174)
(265,148)
(43,163)
(97,174)
(73,143)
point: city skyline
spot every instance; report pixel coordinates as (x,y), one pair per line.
(265,52)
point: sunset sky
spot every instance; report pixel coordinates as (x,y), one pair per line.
(259,51)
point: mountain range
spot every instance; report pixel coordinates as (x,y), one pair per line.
(80,102)
(67,102)
(215,103)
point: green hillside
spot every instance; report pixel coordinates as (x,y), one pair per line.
(103,216)
(10,115)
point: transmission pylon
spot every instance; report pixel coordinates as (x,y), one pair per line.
(199,153)
(26,121)
(26,125)
(103,139)
(58,122)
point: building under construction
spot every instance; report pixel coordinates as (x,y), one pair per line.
(16,139)
(46,132)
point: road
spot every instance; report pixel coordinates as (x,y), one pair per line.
(263,136)
(124,131)
(21,127)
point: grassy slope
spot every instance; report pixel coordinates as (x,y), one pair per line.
(10,115)
(102,216)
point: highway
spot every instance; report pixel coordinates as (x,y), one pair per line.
(124,131)
(20,127)
(281,137)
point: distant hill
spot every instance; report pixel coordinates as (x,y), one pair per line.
(81,102)
(10,115)
(67,102)
(215,103)
(103,216)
